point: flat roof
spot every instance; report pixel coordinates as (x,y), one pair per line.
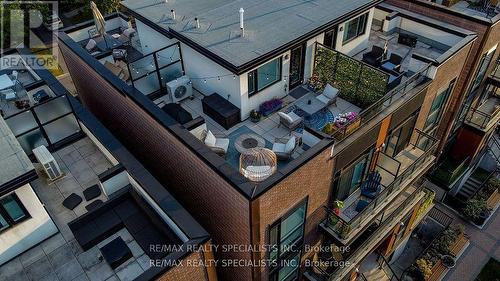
(269,25)
(14,162)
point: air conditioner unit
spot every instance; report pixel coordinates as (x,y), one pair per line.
(49,164)
(180,88)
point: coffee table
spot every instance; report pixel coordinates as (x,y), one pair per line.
(310,104)
(116,252)
(248,141)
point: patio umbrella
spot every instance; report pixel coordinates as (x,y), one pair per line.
(99,21)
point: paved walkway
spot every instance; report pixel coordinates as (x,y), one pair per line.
(484,244)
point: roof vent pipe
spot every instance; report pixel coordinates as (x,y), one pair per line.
(242,26)
(173,14)
(197,22)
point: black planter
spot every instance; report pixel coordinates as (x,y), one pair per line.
(482,217)
(255,119)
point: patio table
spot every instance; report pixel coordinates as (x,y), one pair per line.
(6,82)
(310,104)
(246,142)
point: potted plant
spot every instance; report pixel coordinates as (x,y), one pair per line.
(476,210)
(425,268)
(255,116)
(337,206)
(448,261)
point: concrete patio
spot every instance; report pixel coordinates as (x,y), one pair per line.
(60,258)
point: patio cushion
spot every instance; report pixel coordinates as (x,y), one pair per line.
(92,192)
(361,205)
(222,143)
(285,116)
(323,99)
(129,31)
(294,116)
(210,139)
(290,144)
(330,92)
(94,205)
(278,147)
(91,45)
(72,201)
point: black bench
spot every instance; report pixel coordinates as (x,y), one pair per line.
(221,110)
(178,113)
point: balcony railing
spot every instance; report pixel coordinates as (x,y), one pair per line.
(344,228)
(373,110)
(360,252)
(487,112)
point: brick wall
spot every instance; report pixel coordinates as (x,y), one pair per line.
(213,202)
(471,61)
(189,269)
(313,180)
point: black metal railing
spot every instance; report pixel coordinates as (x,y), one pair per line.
(386,267)
(359,253)
(373,110)
(343,228)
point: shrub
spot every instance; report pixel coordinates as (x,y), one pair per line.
(474,207)
(329,128)
(425,267)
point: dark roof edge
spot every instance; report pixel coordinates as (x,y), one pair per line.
(18,182)
(447,10)
(155,190)
(261,59)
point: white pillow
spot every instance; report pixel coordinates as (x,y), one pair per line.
(330,92)
(91,44)
(129,31)
(290,144)
(285,116)
(210,139)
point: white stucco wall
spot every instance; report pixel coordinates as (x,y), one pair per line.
(277,90)
(30,232)
(356,45)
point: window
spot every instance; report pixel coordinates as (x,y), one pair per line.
(399,138)
(264,76)
(12,211)
(352,177)
(330,38)
(437,108)
(286,237)
(355,28)
(481,70)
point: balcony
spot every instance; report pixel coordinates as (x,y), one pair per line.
(396,172)
(366,243)
(485,114)
(369,89)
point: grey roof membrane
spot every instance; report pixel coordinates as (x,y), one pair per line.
(13,160)
(269,24)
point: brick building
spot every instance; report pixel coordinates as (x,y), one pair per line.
(346,175)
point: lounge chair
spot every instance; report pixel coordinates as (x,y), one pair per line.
(284,147)
(371,186)
(91,47)
(329,95)
(393,63)
(374,57)
(290,120)
(217,145)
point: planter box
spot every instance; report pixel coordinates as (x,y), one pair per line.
(493,200)
(340,133)
(439,269)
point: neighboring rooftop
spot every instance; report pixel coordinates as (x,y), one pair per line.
(486,11)
(269,25)
(14,162)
